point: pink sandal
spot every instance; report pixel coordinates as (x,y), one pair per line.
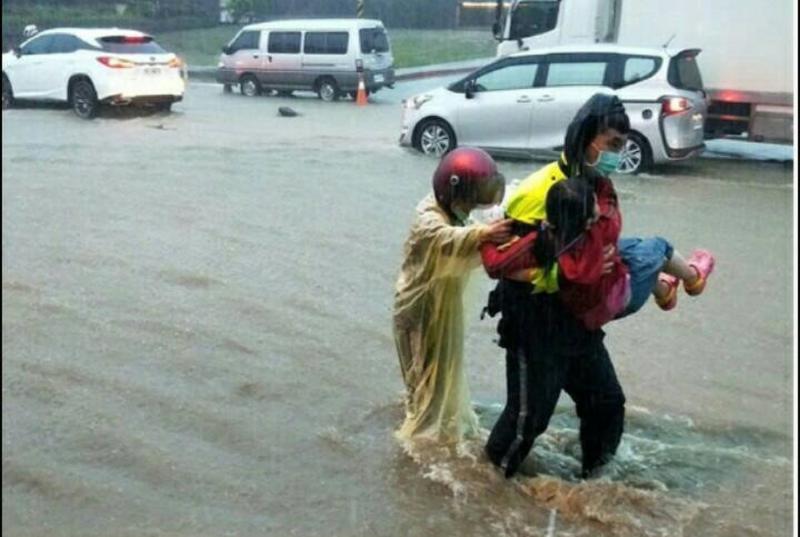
(671,300)
(703,262)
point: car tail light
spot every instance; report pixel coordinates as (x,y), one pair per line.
(675,105)
(175,63)
(115,63)
(136,39)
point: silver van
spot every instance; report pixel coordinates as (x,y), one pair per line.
(322,55)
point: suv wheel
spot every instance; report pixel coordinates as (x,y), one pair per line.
(435,137)
(328,90)
(84,99)
(635,156)
(250,86)
(8,94)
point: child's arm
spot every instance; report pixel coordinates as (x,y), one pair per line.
(511,257)
(583,264)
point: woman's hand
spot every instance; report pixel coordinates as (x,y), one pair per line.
(497,232)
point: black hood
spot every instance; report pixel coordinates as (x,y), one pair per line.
(599,113)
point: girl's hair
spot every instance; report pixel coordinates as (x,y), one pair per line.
(600,113)
(570,204)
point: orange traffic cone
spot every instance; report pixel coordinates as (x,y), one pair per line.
(361,96)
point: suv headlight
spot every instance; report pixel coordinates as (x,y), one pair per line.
(417,102)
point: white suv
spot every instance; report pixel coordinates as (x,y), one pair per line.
(87,68)
(521,104)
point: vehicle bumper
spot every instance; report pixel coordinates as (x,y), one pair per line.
(685,153)
(120,100)
(683,135)
(142,90)
(373,80)
(226,75)
(407,125)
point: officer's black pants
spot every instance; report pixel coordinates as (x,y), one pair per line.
(548,350)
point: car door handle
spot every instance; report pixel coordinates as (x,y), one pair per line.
(546,99)
(256,56)
(524,99)
(269,59)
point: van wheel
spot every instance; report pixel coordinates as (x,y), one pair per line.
(84,99)
(164,107)
(250,86)
(435,137)
(636,156)
(8,94)
(328,90)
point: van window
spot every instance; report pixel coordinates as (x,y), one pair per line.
(568,73)
(533,18)
(284,42)
(684,73)
(508,77)
(374,39)
(638,68)
(245,41)
(326,43)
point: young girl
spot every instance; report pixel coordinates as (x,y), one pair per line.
(596,292)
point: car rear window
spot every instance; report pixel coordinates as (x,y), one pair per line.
(125,44)
(638,68)
(374,39)
(684,72)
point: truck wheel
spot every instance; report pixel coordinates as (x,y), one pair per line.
(83,99)
(435,137)
(328,90)
(8,94)
(250,86)
(636,156)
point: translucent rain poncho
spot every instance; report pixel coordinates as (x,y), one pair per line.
(429,325)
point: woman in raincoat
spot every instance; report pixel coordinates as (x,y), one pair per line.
(441,250)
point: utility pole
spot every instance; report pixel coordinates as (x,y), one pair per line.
(360,9)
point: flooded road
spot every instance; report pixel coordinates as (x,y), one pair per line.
(197,341)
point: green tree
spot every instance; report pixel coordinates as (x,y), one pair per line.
(247,10)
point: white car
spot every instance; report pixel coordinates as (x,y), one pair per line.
(521,104)
(90,67)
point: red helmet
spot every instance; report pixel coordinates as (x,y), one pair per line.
(468,175)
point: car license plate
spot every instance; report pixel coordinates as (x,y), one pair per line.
(152,70)
(378,78)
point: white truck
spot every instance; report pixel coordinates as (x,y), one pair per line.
(747,48)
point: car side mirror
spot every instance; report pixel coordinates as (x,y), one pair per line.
(17,52)
(226,50)
(470,89)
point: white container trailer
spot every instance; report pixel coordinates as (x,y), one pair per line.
(747,48)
